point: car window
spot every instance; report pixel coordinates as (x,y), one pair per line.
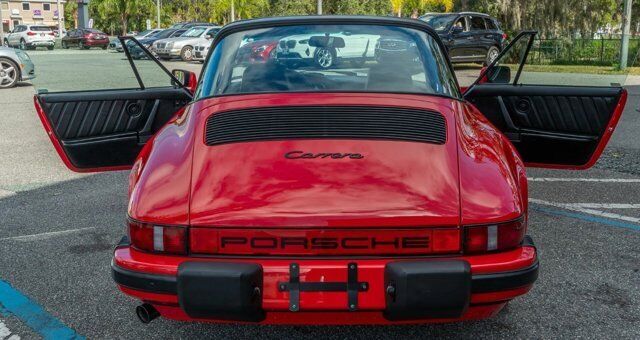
(213,31)
(40,28)
(439,22)
(194,32)
(321,58)
(477,23)
(461,22)
(490,24)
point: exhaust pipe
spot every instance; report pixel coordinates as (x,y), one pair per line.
(146,313)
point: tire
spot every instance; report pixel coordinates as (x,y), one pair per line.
(82,46)
(9,73)
(23,44)
(324,57)
(104,47)
(186,54)
(492,53)
(50,48)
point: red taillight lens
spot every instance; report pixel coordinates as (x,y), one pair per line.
(504,36)
(492,237)
(156,238)
(31,33)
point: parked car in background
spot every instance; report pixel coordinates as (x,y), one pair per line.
(137,53)
(115,45)
(257,52)
(468,36)
(30,36)
(147,33)
(15,66)
(188,25)
(395,50)
(200,51)
(182,46)
(54,28)
(85,38)
(333,48)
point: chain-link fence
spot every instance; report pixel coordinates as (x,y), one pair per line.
(566,51)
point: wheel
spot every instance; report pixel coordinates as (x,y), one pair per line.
(324,57)
(491,55)
(23,44)
(64,45)
(9,73)
(187,53)
(50,48)
(82,46)
(104,47)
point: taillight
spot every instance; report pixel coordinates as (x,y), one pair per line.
(504,36)
(50,33)
(158,238)
(31,33)
(492,237)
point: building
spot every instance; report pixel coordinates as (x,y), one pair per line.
(41,12)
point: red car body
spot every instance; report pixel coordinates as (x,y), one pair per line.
(325,231)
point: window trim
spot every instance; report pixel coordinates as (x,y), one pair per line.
(419,25)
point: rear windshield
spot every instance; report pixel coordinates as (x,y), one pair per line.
(41,28)
(328,58)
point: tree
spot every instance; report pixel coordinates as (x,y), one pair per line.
(127,12)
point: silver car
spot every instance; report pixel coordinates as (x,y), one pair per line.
(15,66)
(183,45)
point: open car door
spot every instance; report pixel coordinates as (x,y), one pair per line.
(102,130)
(557,120)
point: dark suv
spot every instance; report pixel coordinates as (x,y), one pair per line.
(468,36)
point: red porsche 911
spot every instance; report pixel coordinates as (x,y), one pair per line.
(378,194)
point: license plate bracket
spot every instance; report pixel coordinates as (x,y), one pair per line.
(352,287)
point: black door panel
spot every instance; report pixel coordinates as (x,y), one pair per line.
(553,125)
(109,128)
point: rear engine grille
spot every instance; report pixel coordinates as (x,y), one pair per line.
(329,122)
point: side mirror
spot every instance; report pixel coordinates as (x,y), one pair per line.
(188,80)
(498,75)
(457,30)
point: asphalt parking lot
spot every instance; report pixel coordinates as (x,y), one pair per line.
(58,229)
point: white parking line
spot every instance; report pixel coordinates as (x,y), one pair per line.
(44,236)
(603,180)
(5,333)
(588,208)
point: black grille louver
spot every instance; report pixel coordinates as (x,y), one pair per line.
(334,122)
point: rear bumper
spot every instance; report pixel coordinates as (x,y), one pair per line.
(166,282)
(40,43)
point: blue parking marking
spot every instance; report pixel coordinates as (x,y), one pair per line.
(585,217)
(15,303)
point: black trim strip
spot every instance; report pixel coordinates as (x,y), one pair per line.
(484,283)
(480,283)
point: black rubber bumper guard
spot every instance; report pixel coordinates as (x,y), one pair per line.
(397,273)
